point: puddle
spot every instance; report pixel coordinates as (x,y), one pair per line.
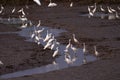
(60,61)
(101,15)
(13,20)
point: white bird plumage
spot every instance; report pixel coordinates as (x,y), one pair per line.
(13,10)
(48,36)
(51,4)
(74,48)
(38,25)
(1,63)
(69,44)
(55,52)
(38,2)
(96,52)
(71,4)
(75,40)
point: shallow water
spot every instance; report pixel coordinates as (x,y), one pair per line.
(60,61)
(12,21)
(100,15)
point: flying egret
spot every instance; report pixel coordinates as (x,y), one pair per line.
(55,52)
(38,2)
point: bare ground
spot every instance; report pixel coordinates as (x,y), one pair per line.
(103,33)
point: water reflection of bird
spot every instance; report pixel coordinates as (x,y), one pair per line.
(74,48)
(69,44)
(84,60)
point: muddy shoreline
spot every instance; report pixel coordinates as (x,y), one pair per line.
(103,33)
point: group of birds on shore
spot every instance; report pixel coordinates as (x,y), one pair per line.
(50,42)
(49,39)
(104,11)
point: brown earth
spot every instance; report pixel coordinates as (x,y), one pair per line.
(103,33)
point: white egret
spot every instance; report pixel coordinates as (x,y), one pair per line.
(48,36)
(101,8)
(69,44)
(1,63)
(38,2)
(109,10)
(41,30)
(96,52)
(23,18)
(38,25)
(75,40)
(48,44)
(90,12)
(13,10)
(84,48)
(51,39)
(22,11)
(51,4)
(24,25)
(71,4)
(55,52)
(113,10)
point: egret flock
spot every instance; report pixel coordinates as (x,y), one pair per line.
(50,40)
